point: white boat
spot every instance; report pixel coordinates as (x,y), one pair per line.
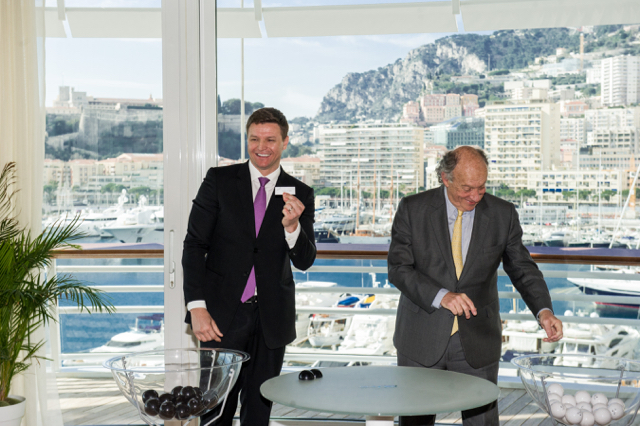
(143,224)
(524,338)
(611,286)
(147,334)
(328,330)
(310,300)
(372,334)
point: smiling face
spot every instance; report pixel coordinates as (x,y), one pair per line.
(467,186)
(265,146)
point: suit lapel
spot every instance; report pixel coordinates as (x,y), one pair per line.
(440,229)
(243,185)
(480,226)
(275,206)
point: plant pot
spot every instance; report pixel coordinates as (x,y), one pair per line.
(13,414)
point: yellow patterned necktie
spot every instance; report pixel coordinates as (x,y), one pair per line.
(456,249)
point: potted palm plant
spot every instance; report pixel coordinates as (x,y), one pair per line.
(28,295)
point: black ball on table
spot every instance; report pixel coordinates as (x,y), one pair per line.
(167,410)
(316,373)
(182,411)
(152,406)
(148,394)
(306,375)
(187,393)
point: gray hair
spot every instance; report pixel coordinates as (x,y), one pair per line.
(450,160)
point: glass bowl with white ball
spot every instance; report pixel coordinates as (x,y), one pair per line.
(585,390)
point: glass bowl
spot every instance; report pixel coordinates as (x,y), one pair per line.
(176,384)
(582,377)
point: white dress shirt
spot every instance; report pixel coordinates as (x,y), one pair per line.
(290,237)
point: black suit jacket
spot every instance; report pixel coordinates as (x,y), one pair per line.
(421,263)
(221,247)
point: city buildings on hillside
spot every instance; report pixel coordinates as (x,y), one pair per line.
(375,155)
(553,183)
(620,80)
(436,108)
(521,137)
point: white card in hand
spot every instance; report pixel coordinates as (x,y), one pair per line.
(291,190)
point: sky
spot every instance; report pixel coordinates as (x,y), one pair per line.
(292,74)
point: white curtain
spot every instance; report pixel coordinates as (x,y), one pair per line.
(22,130)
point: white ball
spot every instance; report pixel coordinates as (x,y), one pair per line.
(558,410)
(574,415)
(584,406)
(616,401)
(595,407)
(616,410)
(587,419)
(555,388)
(602,416)
(599,398)
(569,399)
(583,396)
(554,397)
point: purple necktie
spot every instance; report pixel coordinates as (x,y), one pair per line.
(259,207)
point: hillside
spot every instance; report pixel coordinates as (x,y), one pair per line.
(380,94)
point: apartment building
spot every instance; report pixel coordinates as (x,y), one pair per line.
(372,153)
(459,131)
(552,183)
(625,138)
(411,113)
(573,129)
(620,80)
(605,118)
(595,158)
(520,137)
(304,168)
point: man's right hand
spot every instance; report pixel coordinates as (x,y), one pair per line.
(459,304)
(203,326)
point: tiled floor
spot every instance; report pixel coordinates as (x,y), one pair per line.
(97,401)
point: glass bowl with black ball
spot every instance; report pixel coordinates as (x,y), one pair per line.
(176,384)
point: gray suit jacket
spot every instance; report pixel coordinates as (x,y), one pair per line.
(420,264)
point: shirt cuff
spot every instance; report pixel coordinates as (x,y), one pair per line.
(438,299)
(292,237)
(540,311)
(196,304)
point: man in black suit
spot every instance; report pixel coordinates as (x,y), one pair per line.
(241,239)
(449,310)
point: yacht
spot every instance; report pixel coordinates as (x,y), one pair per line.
(147,334)
(143,224)
(611,286)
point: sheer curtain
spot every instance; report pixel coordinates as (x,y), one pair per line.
(22,129)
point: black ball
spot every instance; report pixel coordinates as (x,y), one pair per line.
(195,405)
(306,375)
(148,394)
(167,397)
(152,406)
(198,392)
(182,411)
(210,399)
(176,391)
(316,373)
(167,410)
(187,393)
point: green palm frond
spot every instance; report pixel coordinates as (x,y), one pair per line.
(27,295)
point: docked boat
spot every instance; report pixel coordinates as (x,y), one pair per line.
(611,287)
(143,224)
(146,334)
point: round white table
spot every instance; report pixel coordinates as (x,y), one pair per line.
(381,393)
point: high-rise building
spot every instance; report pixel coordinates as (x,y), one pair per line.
(411,113)
(573,129)
(612,117)
(521,137)
(459,131)
(366,150)
(620,80)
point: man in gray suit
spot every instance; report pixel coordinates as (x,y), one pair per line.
(447,244)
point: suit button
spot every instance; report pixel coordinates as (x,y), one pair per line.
(246,274)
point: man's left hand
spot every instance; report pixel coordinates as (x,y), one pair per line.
(292,211)
(551,325)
